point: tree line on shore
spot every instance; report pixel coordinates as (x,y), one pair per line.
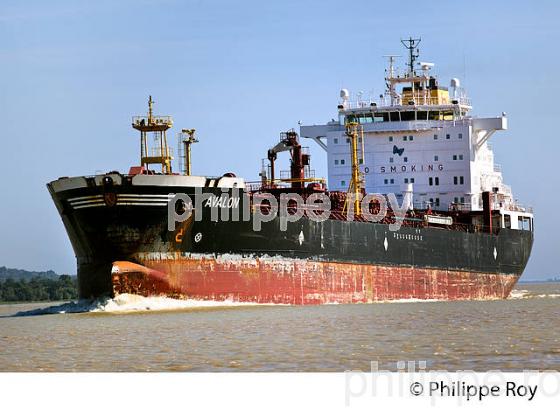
(62,287)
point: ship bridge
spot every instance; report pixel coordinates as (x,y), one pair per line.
(416,137)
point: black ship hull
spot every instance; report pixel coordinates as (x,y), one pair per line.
(122,245)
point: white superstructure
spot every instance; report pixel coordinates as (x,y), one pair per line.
(418,135)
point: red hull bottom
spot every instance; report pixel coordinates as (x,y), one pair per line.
(300,282)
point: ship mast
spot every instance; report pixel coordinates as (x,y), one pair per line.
(390,75)
(157,126)
(186,139)
(413,52)
(353,131)
(418,92)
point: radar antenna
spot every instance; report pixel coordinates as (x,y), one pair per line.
(413,52)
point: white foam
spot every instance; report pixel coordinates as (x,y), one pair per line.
(549,295)
(410,300)
(525,294)
(81,306)
(519,294)
(133,303)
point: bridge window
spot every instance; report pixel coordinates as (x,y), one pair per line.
(342,183)
(391,160)
(381,117)
(430,181)
(422,115)
(411,138)
(524,223)
(336,162)
(436,158)
(507,221)
(435,137)
(404,138)
(366,119)
(412,180)
(437,180)
(390,139)
(447,136)
(407,116)
(405,159)
(342,162)
(395,116)
(447,115)
(460,136)
(335,140)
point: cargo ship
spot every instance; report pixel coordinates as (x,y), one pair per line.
(442,224)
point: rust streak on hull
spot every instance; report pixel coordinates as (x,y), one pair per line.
(295,281)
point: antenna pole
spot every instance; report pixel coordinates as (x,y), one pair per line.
(390,78)
(150,104)
(412,46)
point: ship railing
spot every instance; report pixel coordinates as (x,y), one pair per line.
(515,207)
(141,120)
(285,175)
(457,206)
(385,101)
(253,186)
(307,174)
(159,152)
(414,125)
(411,220)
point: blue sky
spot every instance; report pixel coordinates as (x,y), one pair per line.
(73,73)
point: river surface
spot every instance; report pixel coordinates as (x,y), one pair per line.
(155,334)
